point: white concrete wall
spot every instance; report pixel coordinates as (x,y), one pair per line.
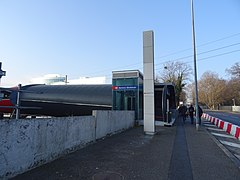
(230,108)
(28,143)
(236,108)
(109,122)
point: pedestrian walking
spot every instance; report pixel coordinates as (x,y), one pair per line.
(191,113)
(200,112)
(182,110)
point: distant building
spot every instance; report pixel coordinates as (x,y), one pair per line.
(56,79)
(49,79)
(87,80)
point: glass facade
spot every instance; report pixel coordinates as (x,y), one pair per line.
(128,92)
(164,99)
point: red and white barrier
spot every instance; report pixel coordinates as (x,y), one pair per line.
(226,126)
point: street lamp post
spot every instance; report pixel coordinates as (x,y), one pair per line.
(234,104)
(195,67)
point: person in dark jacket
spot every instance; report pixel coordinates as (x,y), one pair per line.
(200,112)
(191,113)
(182,110)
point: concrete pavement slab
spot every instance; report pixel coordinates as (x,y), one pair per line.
(131,155)
(207,159)
(178,152)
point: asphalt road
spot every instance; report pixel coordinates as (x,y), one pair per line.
(232,117)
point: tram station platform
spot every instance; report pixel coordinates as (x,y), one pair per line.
(173,153)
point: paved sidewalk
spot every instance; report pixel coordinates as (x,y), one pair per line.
(174,153)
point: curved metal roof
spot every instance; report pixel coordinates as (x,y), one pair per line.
(69,94)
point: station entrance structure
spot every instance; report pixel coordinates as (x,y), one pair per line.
(127,87)
(127,93)
(164,102)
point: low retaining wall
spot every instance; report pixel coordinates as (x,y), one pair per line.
(226,126)
(108,122)
(230,108)
(28,143)
(236,108)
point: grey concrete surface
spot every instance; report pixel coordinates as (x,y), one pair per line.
(180,166)
(28,143)
(178,152)
(208,160)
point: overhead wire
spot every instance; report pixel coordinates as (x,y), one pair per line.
(201,59)
(181,58)
(204,44)
(205,52)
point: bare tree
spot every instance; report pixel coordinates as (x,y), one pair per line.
(178,73)
(234,71)
(211,89)
(232,92)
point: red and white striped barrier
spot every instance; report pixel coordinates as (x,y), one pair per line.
(226,126)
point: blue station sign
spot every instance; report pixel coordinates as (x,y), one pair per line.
(124,87)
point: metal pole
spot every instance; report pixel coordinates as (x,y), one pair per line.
(234,104)
(66,80)
(195,67)
(18,102)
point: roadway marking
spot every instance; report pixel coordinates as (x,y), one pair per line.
(223,135)
(238,156)
(210,125)
(215,129)
(230,144)
(207,122)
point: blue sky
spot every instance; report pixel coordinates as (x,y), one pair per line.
(94,37)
